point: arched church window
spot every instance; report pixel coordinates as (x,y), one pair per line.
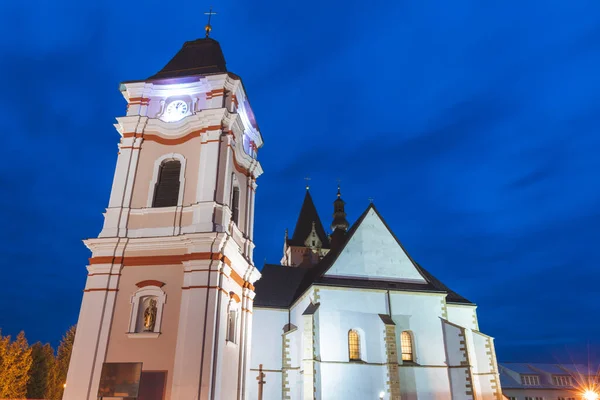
(353,345)
(406,344)
(235,204)
(166,192)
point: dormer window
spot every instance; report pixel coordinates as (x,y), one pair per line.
(562,380)
(530,380)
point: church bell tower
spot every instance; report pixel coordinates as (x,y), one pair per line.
(167,306)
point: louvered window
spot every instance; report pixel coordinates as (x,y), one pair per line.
(166,193)
(235,204)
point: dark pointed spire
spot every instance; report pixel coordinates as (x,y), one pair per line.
(304,225)
(339,213)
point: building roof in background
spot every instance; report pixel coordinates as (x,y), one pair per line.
(280,286)
(511,374)
(304,224)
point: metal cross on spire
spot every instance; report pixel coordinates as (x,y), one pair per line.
(208,27)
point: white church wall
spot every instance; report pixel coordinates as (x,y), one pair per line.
(486,381)
(267,328)
(424,383)
(420,314)
(373,252)
(463,315)
(457,359)
(343,310)
(352,381)
(271,388)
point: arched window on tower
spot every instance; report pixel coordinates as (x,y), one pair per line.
(235,204)
(166,192)
(406,344)
(354,345)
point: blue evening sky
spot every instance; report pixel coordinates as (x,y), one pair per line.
(473,124)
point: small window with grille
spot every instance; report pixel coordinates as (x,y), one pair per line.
(406,343)
(354,345)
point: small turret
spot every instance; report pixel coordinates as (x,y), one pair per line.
(339,214)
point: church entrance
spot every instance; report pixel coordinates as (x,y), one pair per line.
(152,385)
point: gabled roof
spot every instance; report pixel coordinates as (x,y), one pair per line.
(200,56)
(510,374)
(308,215)
(270,288)
(277,286)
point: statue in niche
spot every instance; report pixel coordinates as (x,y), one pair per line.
(150,316)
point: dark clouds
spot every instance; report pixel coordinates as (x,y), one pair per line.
(474,126)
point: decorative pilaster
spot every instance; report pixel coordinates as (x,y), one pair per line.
(309,352)
(469,387)
(391,351)
(494,378)
(286,365)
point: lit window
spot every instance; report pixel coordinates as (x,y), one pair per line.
(530,380)
(353,345)
(562,380)
(406,344)
(166,192)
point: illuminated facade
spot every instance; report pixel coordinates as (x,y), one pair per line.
(170,278)
(170,297)
(352,316)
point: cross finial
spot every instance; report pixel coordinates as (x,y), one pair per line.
(371,200)
(307,179)
(208,27)
(339,193)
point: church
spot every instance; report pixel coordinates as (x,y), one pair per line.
(175,309)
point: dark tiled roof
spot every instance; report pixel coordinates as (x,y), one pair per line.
(387,319)
(278,285)
(308,215)
(281,286)
(201,56)
(311,309)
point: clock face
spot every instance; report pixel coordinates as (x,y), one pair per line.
(176,110)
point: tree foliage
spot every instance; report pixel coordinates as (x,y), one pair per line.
(34,372)
(15,363)
(41,371)
(61,365)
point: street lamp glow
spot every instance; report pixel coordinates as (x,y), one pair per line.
(381,394)
(590,395)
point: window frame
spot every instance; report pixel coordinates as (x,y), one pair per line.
(412,346)
(233,308)
(530,380)
(155,175)
(354,348)
(235,203)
